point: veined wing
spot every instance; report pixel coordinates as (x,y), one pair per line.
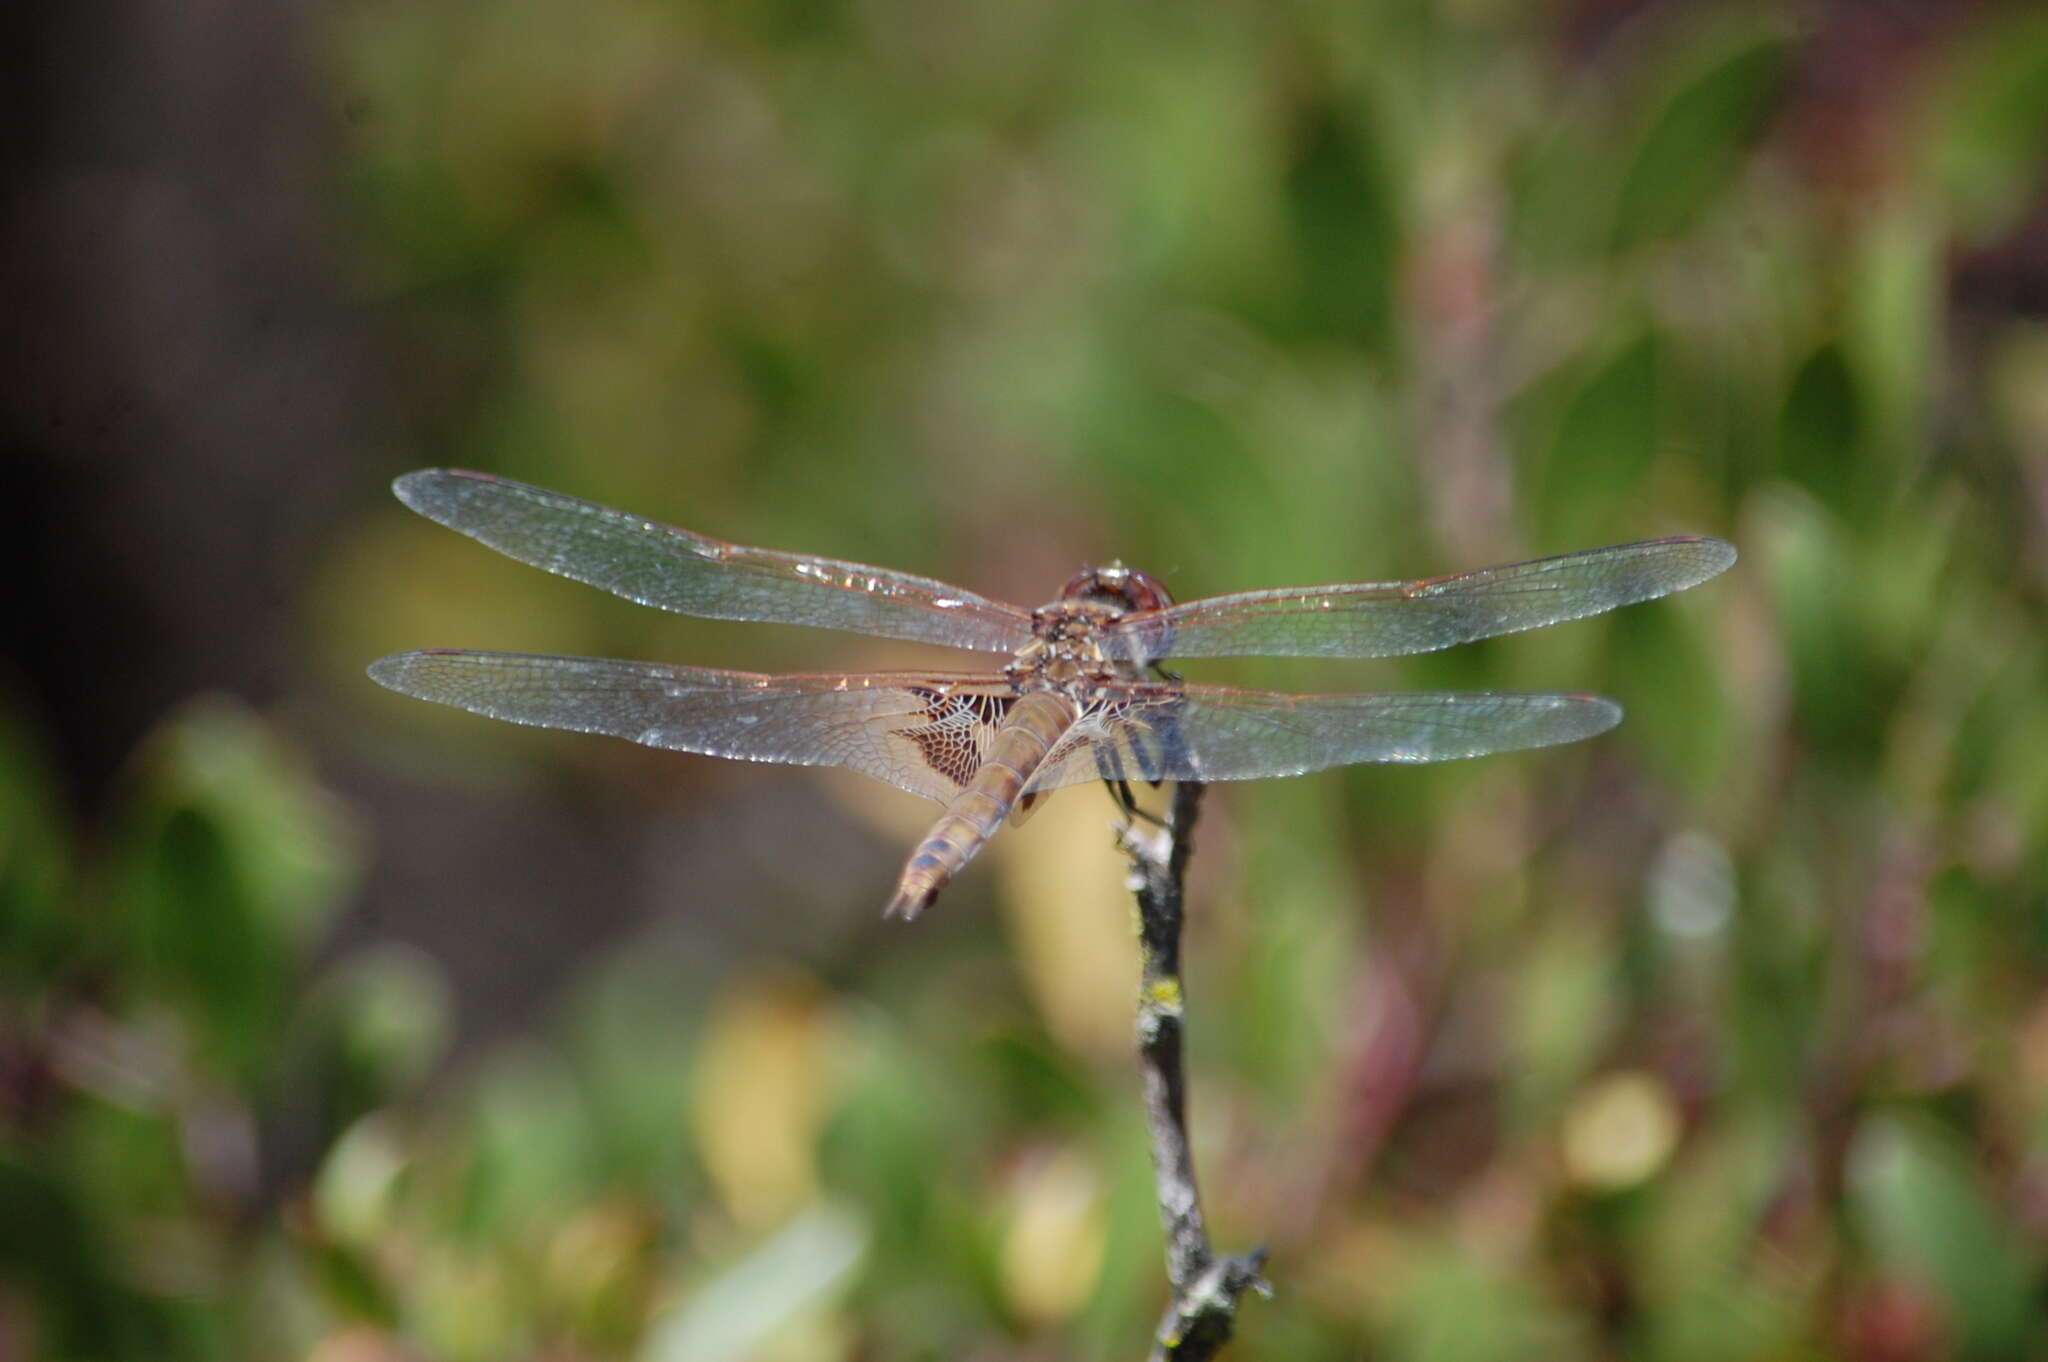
(673,569)
(1151,730)
(1388,619)
(922,732)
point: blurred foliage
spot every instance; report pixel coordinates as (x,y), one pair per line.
(1725,1036)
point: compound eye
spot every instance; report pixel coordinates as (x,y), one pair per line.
(1085,585)
(1142,591)
(1119,586)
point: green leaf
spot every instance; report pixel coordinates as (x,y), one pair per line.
(381,1020)
(36,929)
(61,1259)
(1456,1308)
(1915,1193)
(230,859)
(1604,449)
(1821,431)
(1995,139)
(1346,231)
(793,1275)
(1695,144)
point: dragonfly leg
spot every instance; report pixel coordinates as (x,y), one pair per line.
(1120,791)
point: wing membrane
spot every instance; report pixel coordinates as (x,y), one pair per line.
(1168,731)
(673,569)
(929,732)
(922,732)
(1389,619)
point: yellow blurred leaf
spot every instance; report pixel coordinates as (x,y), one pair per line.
(1620,1131)
(1052,1247)
(765,1080)
(1069,916)
(357,1187)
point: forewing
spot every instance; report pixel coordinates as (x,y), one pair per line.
(922,732)
(673,569)
(1155,731)
(1389,619)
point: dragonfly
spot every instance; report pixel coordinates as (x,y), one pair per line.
(1083,696)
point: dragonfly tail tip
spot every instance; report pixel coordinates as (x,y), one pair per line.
(907,904)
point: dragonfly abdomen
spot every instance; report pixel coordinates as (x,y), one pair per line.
(1027,733)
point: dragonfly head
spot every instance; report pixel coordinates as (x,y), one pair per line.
(1124,589)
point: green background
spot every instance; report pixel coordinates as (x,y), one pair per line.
(343,1027)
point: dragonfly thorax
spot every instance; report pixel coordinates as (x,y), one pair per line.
(1071,636)
(1073,639)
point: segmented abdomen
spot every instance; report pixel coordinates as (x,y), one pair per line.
(1027,733)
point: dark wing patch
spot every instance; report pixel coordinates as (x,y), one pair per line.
(958,727)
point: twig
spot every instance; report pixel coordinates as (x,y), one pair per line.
(1206,1288)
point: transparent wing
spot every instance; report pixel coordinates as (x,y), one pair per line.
(1168,731)
(922,732)
(1388,619)
(672,569)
